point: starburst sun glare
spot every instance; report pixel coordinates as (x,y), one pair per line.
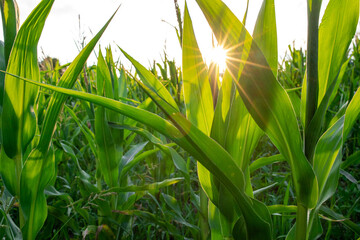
(218,55)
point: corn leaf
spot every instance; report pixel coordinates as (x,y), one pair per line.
(89,135)
(197,92)
(152,82)
(148,187)
(336,31)
(67,81)
(39,167)
(265,99)
(352,113)
(326,158)
(265,34)
(258,163)
(10,18)
(19,127)
(108,155)
(207,151)
(38,171)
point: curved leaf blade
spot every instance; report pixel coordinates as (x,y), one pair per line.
(265,99)
(336,31)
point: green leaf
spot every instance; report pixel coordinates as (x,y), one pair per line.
(197,92)
(10,19)
(179,162)
(152,82)
(353,160)
(109,155)
(32,198)
(265,99)
(265,34)
(282,209)
(89,135)
(258,163)
(336,31)
(39,168)
(326,159)
(148,187)
(338,217)
(207,151)
(352,113)
(9,173)
(234,128)
(19,128)
(220,228)
(129,156)
(67,81)
(2,77)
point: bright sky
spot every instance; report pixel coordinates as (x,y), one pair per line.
(139,29)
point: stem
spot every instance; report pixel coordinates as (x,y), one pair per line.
(203,218)
(18,169)
(312,81)
(301,222)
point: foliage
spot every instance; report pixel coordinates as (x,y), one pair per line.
(257,152)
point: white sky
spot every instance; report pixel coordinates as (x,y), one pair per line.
(138,27)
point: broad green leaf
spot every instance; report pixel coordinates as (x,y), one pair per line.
(258,163)
(265,99)
(152,82)
(236,131)
(219,230)
(67,81)
(179,162)
(36,173)
(207,151)
(112,70)
(108,154)
(352,113)
(10,19)
(326,153)
(9,174)
(19,128)
(112,90)
(32,198)
(265,34)
(282,209)
(129,156)
(234,127)
(336,31)
(197,92)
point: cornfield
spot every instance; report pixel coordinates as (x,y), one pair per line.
(263,150)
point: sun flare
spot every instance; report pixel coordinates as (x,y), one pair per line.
(218,55)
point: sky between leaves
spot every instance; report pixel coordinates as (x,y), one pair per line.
(139,26)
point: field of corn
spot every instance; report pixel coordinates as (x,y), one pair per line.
(263,150)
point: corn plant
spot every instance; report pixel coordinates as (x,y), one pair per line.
(27,162)
(252,101)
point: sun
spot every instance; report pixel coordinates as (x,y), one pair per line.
(218,55)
